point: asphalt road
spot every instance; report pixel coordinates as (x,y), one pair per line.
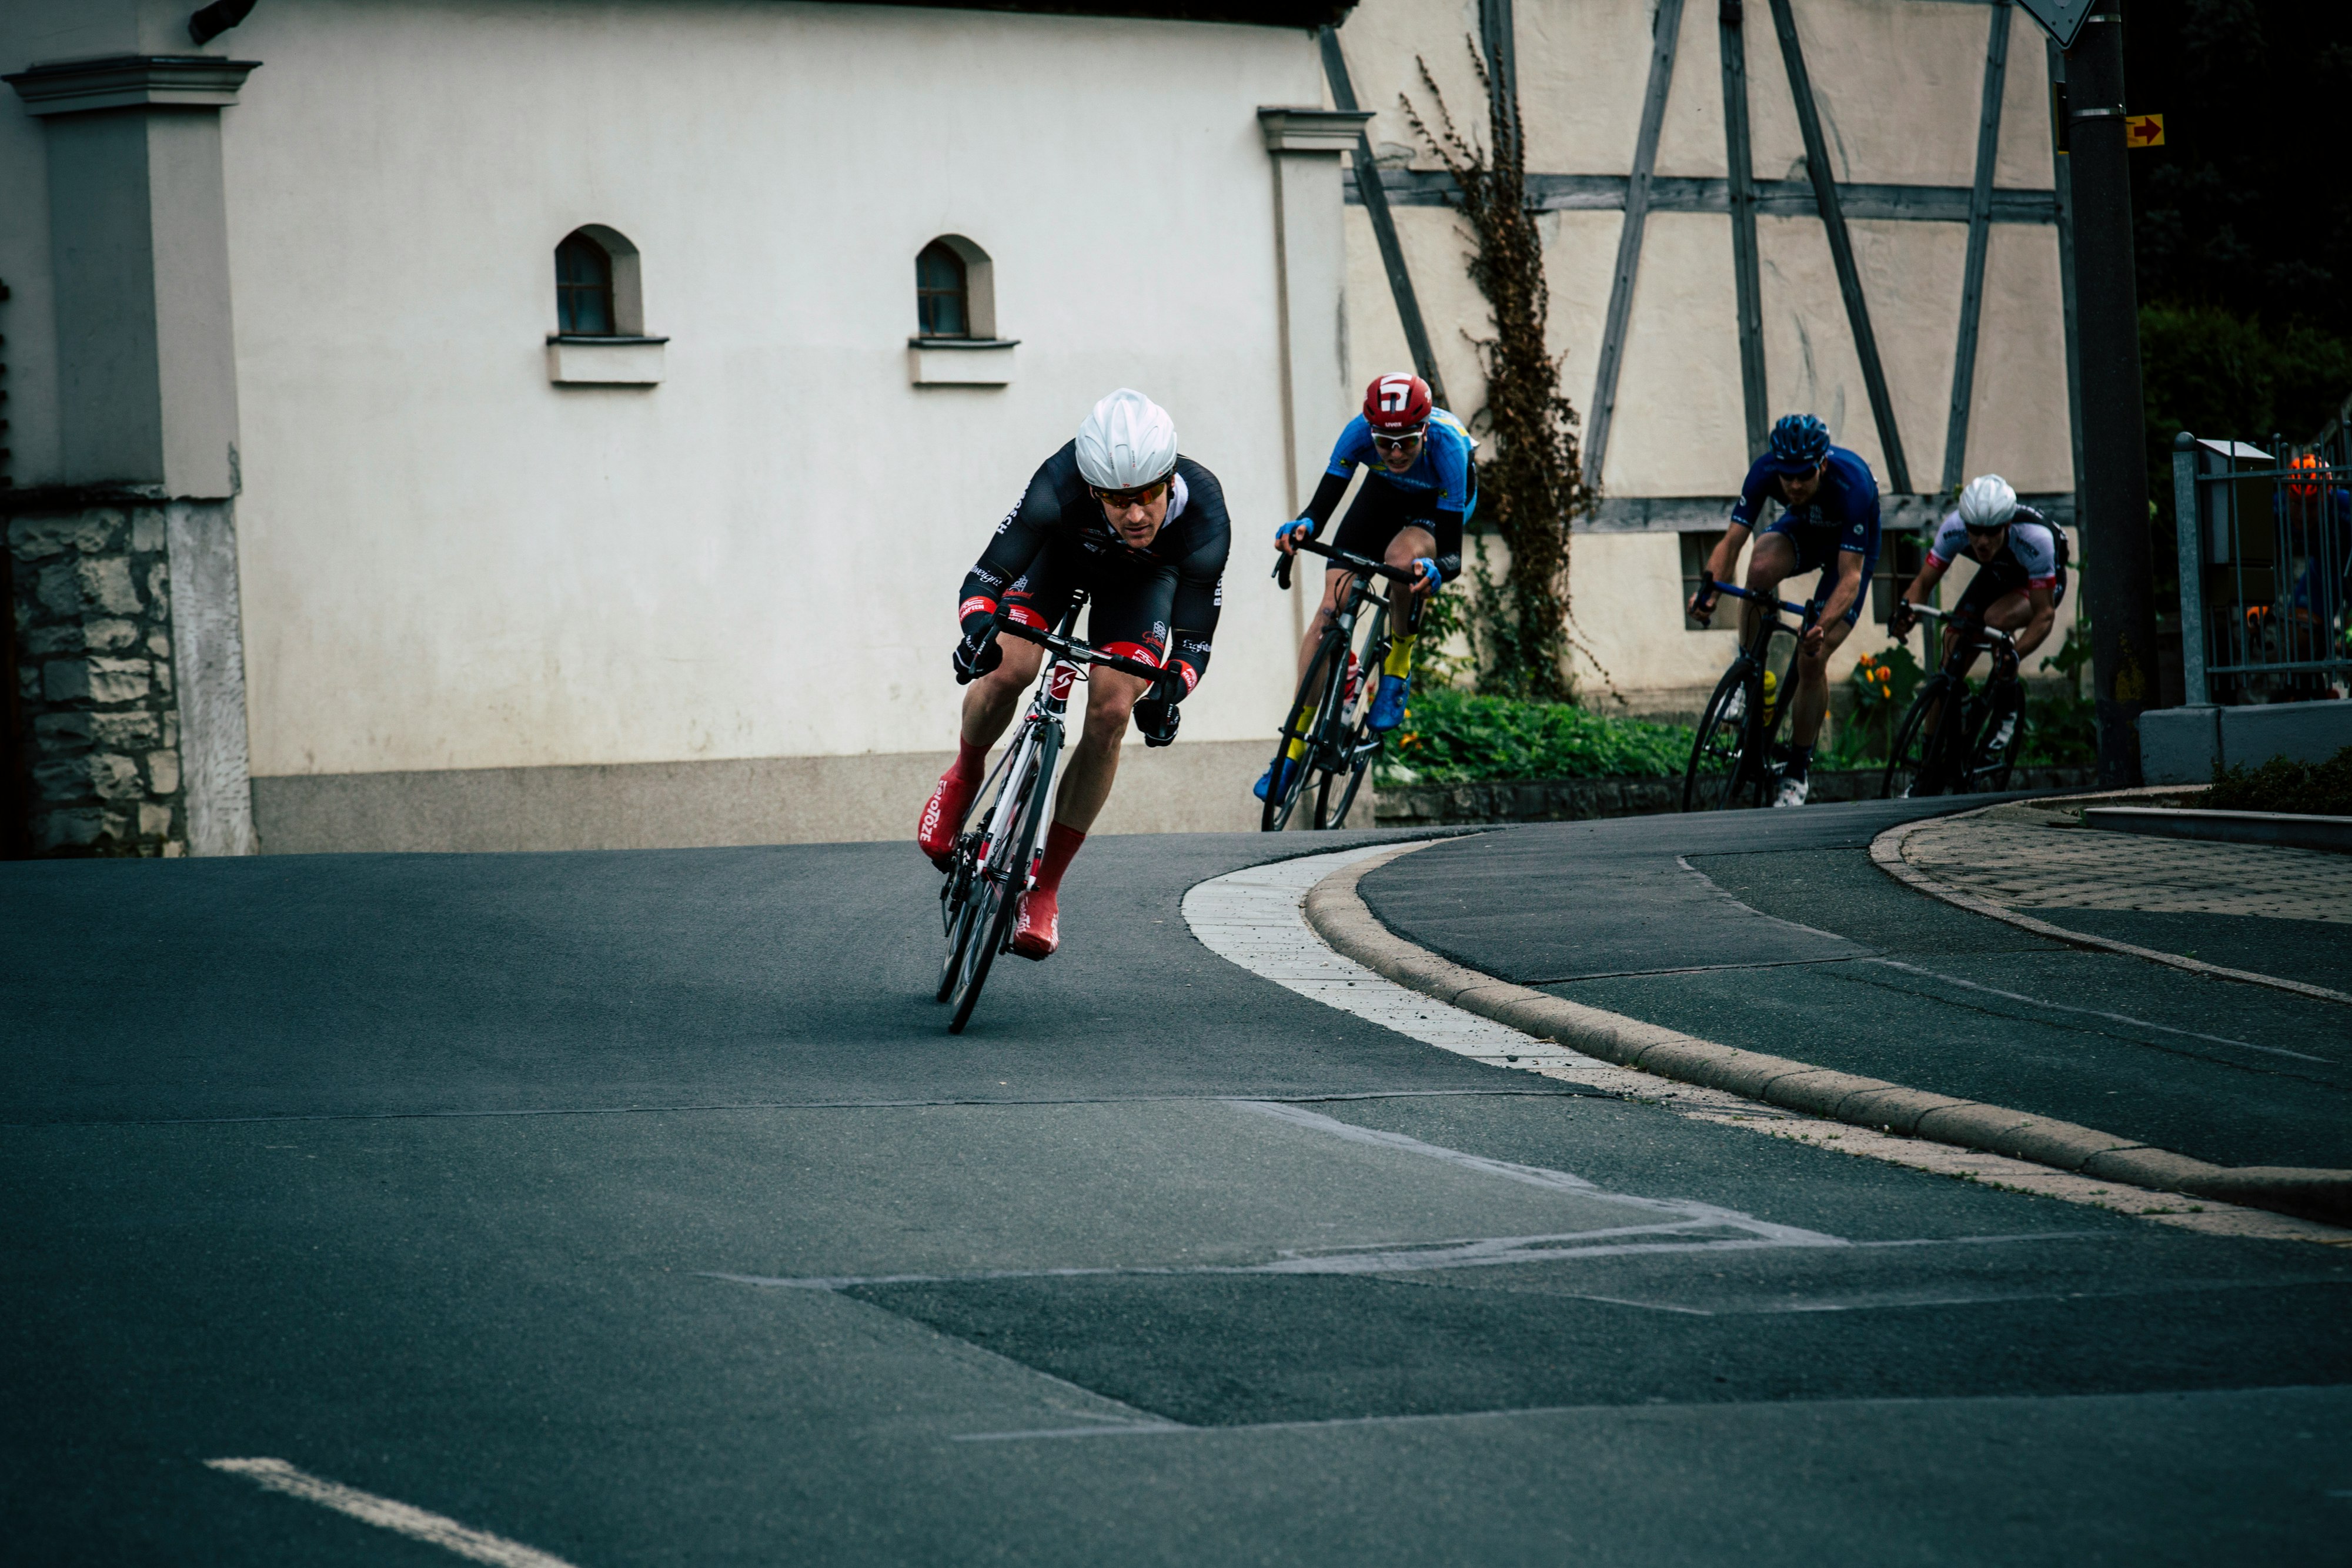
(638,1208)
(1776,933)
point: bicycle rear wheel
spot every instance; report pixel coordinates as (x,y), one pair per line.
(1318,693)
(1719,765)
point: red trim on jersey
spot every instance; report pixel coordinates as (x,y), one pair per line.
(1141,653)
(1023,615)
(2049,581)
(976,606)
(1192,676)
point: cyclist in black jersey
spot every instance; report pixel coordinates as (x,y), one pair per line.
(1144,532)
(2021,581)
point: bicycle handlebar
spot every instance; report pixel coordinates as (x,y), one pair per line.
(1990,633)
(1709,588)
(1076,652)
(1361,565)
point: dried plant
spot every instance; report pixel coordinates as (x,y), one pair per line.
(1532,485)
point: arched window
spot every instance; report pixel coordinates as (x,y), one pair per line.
(942,292)
(583,288)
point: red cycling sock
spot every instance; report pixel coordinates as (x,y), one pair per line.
(971,761)
(1062,842)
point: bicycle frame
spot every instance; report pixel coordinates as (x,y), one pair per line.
(997,863)
(1750,763)
(1953,756)
(1334,747)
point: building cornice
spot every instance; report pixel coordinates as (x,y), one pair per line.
(1311,129)
(131,81)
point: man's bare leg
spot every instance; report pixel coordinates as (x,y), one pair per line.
(1813,686)
(1111,696)
(1772,560)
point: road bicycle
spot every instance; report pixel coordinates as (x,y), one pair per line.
(1732,756)
(1979,752)
(1336,696)
(995,859)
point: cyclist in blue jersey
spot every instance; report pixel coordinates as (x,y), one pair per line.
(1421,487)
(1829,522)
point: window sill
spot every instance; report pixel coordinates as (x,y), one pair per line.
(603,361)
(960,361)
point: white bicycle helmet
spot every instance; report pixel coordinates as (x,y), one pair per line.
(1128,442)
(1988,502)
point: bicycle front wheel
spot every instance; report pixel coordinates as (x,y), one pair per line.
(1355,745)
(1003,877)
(1719,765)
(1915,764)
(1318,693)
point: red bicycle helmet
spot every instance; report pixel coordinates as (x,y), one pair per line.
(1397,403)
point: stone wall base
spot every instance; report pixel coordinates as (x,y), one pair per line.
(1575,800)
(1199,787)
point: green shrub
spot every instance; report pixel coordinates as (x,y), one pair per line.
(1451,736)
(2317,788)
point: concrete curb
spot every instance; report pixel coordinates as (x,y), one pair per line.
(1887,853)
(2285,829)
(1340,916)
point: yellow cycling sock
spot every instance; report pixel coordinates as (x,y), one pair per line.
(1400,659)
(1298,748)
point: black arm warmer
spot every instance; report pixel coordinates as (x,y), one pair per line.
(1326,500)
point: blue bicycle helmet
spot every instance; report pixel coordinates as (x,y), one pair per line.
(1800,442)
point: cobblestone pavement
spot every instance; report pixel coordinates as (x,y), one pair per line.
(2027,857)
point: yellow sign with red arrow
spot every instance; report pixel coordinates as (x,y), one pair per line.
(2143,131)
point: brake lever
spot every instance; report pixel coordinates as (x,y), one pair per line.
(1282,570)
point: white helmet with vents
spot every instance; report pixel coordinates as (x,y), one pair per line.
(1127,442)
(1988,503)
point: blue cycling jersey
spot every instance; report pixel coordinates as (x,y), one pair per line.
(1441,472)
(1847,504)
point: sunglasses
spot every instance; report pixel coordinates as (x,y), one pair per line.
(1142,496)
(1977,533)
(1396,443)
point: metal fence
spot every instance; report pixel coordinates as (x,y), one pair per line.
(2266,548)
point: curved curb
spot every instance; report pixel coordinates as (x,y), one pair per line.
(1340,916)
(1887,853)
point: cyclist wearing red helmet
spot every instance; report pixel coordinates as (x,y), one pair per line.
(1421,489)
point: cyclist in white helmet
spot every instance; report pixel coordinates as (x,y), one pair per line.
(1119,513)
(2021,581)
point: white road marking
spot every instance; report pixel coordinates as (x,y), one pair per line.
(2098,1013)
(480,1545)
(1256,918)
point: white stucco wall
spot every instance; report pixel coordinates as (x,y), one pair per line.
(451,563)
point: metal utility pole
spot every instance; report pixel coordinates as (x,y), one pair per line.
(2119,588)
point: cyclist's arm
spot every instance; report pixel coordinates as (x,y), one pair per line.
(1724,560)
(1199,591)
(1848,589)
(1931,573)
(1017,543)
(2044,605)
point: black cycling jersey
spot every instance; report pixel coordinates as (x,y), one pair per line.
(1057,539)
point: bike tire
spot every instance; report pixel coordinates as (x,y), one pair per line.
(1912,758)
(1357,740)
(1718,761)
(958,915)
(1993,770)
(998,895)
(1315,687)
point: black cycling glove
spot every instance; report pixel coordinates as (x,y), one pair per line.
(975,656)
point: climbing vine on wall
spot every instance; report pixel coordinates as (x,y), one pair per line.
(1531,484)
